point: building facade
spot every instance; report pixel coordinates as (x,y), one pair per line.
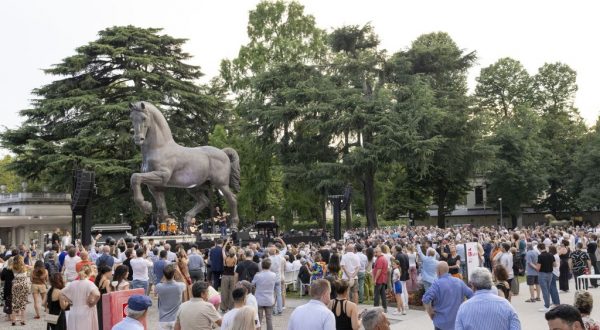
(26,217)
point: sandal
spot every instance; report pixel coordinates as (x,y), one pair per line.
(538,299)
(530,300)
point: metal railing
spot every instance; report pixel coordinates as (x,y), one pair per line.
(37,196)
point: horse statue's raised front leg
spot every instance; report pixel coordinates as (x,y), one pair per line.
(155,178)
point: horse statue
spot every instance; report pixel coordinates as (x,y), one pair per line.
(168,164)
(552,222)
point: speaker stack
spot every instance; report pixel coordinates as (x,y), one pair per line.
(81,203)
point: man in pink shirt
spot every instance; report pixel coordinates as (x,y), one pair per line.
(380,276)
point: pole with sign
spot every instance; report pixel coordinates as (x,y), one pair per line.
(472,254)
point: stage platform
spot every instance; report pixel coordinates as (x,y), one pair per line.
(188,238)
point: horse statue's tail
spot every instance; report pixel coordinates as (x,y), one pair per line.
(234,176)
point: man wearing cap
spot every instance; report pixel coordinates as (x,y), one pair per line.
(137,307)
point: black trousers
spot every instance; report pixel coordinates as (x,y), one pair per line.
(197,275)
(380,293)
(216,277)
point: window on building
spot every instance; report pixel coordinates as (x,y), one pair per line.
(478,195)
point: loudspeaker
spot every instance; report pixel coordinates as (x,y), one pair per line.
(83,185)
(243,235)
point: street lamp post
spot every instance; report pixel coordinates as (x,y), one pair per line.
(501,219)
(121,215)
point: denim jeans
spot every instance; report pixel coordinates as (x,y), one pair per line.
(361,287)
(380,293)
(548,286)
(278,299)
(554,291)
(136,284)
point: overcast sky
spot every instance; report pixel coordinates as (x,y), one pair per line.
(37,34)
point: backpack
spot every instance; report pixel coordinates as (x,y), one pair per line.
(52,268)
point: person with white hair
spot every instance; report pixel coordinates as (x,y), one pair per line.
(137,309)
(375,319)
(429,270)
(485,309)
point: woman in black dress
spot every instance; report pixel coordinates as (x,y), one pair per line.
(564,253)
(53,302)
(103,280)
(7,276)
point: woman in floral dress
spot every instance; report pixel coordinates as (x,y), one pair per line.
(20,290)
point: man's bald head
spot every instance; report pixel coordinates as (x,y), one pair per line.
(442,268)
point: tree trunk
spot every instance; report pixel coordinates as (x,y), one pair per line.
(441,203)
(369,194)
(513,220)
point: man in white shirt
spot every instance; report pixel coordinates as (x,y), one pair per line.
(350,266)
(239,301)
(288,265)
(140,266)
(171,256)
(250,298)
(314,315)
(277,267)
(361,272)
(296,265)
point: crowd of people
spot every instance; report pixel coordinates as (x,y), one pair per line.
(244,288)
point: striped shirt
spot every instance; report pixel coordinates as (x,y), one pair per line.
(486,310)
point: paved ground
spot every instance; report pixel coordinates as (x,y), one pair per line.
(530,318)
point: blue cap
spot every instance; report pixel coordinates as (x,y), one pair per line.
(139,302)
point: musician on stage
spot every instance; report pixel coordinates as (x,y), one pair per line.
(192,228)
(221,220)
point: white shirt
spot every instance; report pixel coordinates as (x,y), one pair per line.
(171,256)
(227,321)
(313,315)
(69,267)
(276,266)
(251,301)
(363,262)
(296,265)
(128,324)
(351,263)
(555,270)
(228,318)
(140,268)
(289,267)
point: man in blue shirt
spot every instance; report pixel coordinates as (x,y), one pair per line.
(105,258)
(196,265)
(429,270)
(486,310)
(444,297)
(531,259)
(159,266)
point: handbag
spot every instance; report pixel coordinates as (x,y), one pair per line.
(51,318)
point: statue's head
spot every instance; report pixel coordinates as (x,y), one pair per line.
(140,118)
